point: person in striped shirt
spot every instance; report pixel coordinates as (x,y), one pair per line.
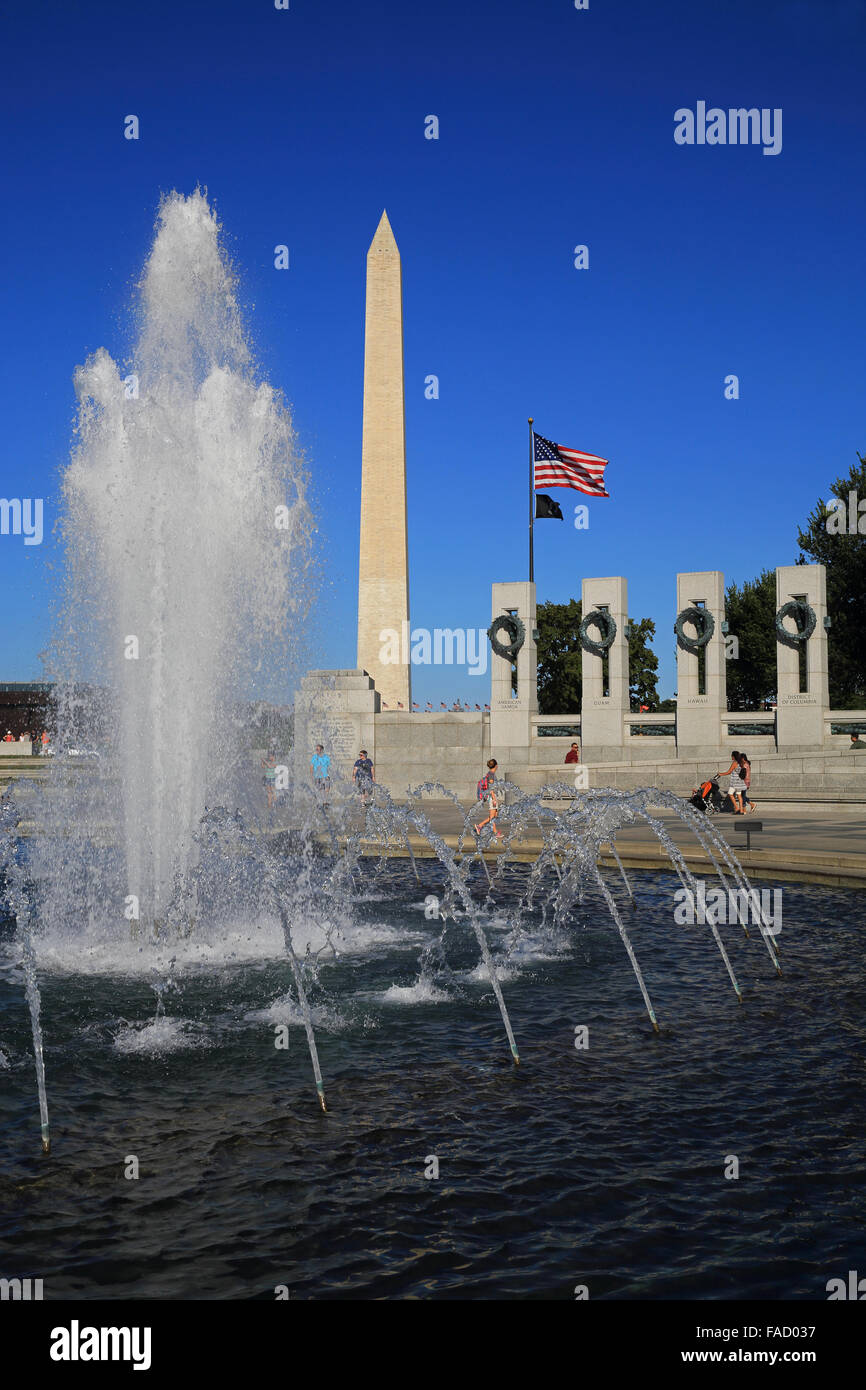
(487,795)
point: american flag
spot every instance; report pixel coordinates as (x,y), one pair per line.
(559,467)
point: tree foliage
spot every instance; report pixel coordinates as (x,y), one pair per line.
(643,665)
(559,657)
(560,684)
(827,541)
(751,615)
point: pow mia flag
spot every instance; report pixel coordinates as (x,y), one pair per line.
(545,508)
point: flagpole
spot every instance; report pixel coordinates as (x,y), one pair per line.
(531,506)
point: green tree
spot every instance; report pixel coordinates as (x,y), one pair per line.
(559,660)
(826,541)
(751,615)
(559,657)
(643,665)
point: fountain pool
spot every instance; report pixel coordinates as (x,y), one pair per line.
(601,1166)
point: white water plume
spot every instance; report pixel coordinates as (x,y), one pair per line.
(186,530)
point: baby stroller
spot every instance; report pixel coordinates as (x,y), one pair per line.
(708,798)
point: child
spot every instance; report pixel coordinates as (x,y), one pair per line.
(746,770)
(487,794)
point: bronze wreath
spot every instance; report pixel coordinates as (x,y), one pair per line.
(606,626)
(803,615)
(702,620)
(516,634)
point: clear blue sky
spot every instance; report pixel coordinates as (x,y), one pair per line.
(556,128)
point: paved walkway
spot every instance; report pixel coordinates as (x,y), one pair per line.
(826,845)
(822,843)
(792,829)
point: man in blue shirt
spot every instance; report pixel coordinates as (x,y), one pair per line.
(320,766)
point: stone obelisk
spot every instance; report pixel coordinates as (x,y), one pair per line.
(383,572)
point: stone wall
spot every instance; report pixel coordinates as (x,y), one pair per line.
(447,748)
(454,748)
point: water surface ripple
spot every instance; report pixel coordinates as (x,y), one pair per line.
(603,1167)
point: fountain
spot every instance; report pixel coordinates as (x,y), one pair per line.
(186,530)
(187,533)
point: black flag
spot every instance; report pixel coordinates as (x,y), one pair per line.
(545,508)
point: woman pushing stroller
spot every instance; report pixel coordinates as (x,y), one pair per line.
(738,783)
(708,798)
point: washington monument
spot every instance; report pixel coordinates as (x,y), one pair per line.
(383,571)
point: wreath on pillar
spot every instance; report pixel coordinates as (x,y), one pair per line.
(803,615)
(607,632)
(512,625)
(702,620)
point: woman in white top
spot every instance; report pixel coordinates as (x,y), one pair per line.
(737,784)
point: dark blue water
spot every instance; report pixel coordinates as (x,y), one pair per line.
(603,1167)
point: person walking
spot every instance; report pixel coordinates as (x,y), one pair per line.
(364,776)
(746,770)
(487,795)
(736,784)
(269,763)
(573,754)
(320,766)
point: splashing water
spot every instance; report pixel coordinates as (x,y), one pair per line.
(186,525)
(10,859)
(569,843)
(186,531)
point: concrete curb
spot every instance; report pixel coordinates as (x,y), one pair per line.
(809,866)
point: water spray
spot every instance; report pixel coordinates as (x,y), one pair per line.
(302,1000)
